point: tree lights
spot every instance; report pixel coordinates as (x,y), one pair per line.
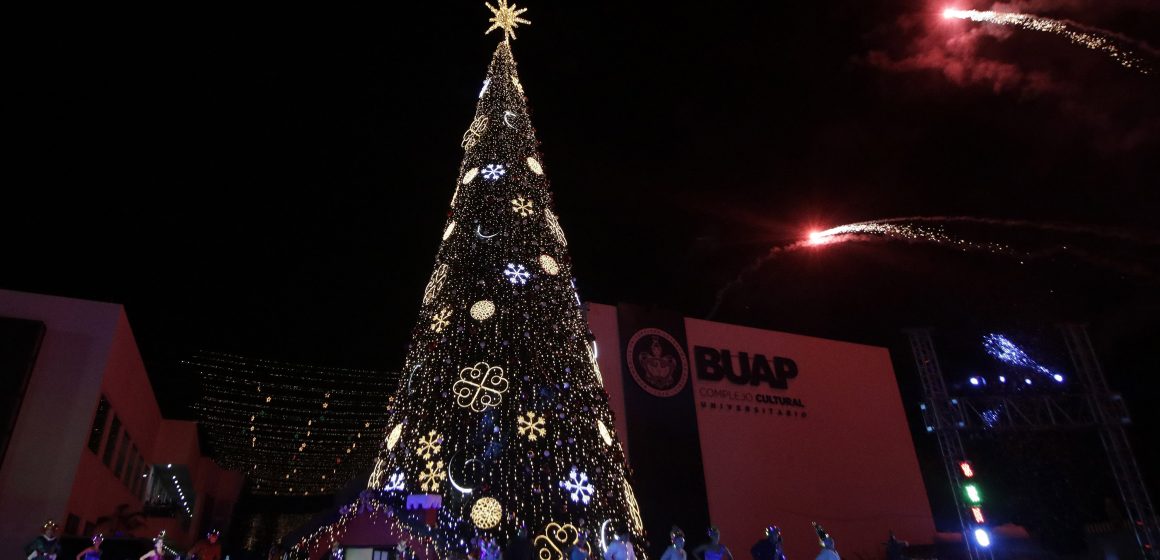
(502,361)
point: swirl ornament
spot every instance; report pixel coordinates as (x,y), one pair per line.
(556,539)
(435,284)
(604,433)
(486,513)
(393,437)
(554,226)
(474,132)
(480,387)
(634,520)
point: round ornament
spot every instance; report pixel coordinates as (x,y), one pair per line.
(482,310)
(535,166)
(486,513)
(549,265)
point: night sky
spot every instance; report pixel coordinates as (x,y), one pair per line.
(275,184)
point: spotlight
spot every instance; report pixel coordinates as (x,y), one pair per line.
(1058,378)
(1002,379)
(982,538)
(974,381)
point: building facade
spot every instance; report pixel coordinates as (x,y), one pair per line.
(741,428)
(84,442)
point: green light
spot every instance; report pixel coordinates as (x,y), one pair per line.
(973,493)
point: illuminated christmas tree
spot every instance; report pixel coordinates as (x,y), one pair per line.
(501,420)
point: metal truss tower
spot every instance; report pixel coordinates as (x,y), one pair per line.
(1112,416)
(944,417)
(1095,407)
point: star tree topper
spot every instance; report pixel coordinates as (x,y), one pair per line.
(506,18)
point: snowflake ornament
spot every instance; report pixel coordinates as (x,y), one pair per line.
(430,478)
(493,171)
(440,320)
(395,483)
(522,206)
(531,425)
(517,274)
(578,487)
(429,445)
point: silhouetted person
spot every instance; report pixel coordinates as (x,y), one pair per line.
(769,548)
(519,547)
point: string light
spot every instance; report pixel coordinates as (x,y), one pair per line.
(286,425)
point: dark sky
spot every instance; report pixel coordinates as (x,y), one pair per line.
(274,184)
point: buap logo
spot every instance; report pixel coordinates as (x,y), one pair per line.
(657,362)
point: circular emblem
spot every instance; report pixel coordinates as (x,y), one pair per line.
(657,362)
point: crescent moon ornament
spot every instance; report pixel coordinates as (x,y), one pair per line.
(411,377)
(507,114)
(479,233)
(461,489)
(603,540)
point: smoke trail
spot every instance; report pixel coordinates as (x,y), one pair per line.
(1119,48)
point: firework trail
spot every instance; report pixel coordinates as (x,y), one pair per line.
(1119,48)
(914,230)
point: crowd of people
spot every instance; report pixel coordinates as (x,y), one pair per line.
(46,546)
(621,547)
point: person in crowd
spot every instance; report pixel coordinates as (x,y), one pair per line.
(93,552)
(895,549)
(620,548)
(828,552)
(208,548)
(45,546)
(676,550)
(580,550)
(713,550)
(769,548)
(158,551)
(489,549)
(519,547)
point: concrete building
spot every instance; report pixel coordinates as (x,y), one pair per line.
(82,439)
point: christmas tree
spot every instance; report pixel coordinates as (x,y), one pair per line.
(501,420)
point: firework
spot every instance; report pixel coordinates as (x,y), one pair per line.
(897,229)
(1118,48)
(932,230)
(1003,349)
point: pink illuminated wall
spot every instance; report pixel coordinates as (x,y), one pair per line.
(831,446)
